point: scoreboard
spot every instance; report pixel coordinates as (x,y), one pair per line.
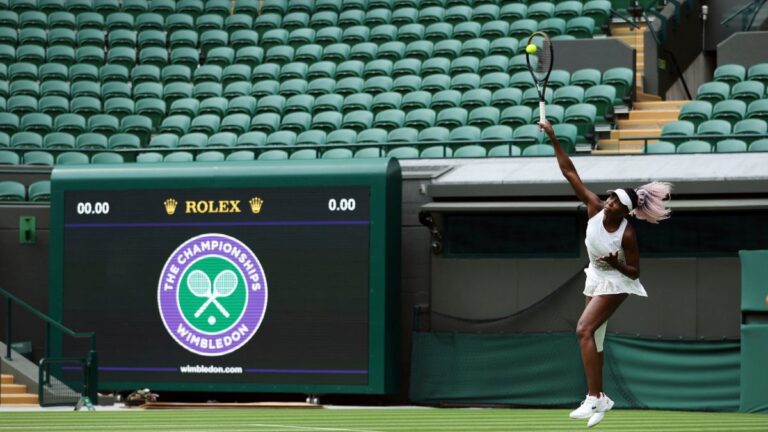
(267,277)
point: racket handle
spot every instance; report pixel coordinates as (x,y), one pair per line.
(542,114)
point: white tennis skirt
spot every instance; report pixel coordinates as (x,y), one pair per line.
(601,282)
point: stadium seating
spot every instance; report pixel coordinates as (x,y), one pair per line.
(730,113)
(87,75)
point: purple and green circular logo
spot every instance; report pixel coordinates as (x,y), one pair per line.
(212,294)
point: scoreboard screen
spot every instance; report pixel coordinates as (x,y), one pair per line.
(265,282)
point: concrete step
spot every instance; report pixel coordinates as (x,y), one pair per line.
(638,132)
(647,97)
(668,115)
(18,399)
(659,105)
(641,124)
(617,30)
(12,388)
(615,145)
(6,379)
(631,40)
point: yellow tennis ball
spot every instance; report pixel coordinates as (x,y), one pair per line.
(531,49)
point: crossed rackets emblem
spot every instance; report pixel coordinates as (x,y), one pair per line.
(223,285)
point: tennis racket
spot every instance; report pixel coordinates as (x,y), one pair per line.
(540,66)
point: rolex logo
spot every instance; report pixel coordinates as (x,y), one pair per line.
(170,206)
(256,203)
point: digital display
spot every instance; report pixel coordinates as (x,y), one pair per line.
(248,285)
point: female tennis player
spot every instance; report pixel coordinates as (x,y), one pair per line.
(614,267)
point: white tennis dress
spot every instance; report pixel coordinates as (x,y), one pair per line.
(601,277)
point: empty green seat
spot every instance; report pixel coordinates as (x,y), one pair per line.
(729,110)
(603,98)
(506,97)
(552,26)
(600,12)
(337,153)
(758,110)
(752,127)
(179,156)
(758,72)
(124,141)
(311,137)
(37,157)
(694,146)
(748,91)
(221,140)
(373,135)
(435,134)
(72,158)
(91,141)
(759,145)
(730,74)
(539,150)
(452,117)
(516,116)
(586,77)
(12,191)
(149,157)
(241,155)
(696,112)
(188,141)
(26,140)
(713,92)
(582,27)
(680,128)
(714,128)
(434,152)
(583,116)
(622,80)
(730,146)
(660,147)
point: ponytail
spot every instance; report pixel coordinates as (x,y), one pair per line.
(652,199)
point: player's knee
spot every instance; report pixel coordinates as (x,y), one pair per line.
(584,331)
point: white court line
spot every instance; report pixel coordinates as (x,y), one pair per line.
(309,428)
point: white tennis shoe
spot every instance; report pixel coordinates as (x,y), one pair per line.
(592,406)
(587,408)
(604,405)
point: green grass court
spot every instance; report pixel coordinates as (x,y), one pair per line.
(369,420)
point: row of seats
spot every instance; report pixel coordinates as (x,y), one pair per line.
(30,130)
(42,158)
(226,7)
(27,92)
(698,146)
(253,55)
(209,39)
(601,96)
(14,191)
(135,7)
(713,130)
(593,17)
(28,73)
(732,110)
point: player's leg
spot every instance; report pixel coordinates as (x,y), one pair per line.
(596,313)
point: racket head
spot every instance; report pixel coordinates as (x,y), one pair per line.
(199,283)
(225,283)
(540,64)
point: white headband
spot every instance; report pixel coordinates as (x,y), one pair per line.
(623,197)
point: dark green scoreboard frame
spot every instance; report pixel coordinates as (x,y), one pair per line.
(382,176)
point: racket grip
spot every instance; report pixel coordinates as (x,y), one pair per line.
(542,114)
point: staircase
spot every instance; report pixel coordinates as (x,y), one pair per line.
(15,394)
(648,113)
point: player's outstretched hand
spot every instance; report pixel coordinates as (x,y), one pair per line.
(546,126)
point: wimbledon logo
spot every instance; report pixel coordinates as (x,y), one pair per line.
(212,294)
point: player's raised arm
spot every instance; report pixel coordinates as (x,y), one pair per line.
(593,202)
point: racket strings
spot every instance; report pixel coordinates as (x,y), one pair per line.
(544,60)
